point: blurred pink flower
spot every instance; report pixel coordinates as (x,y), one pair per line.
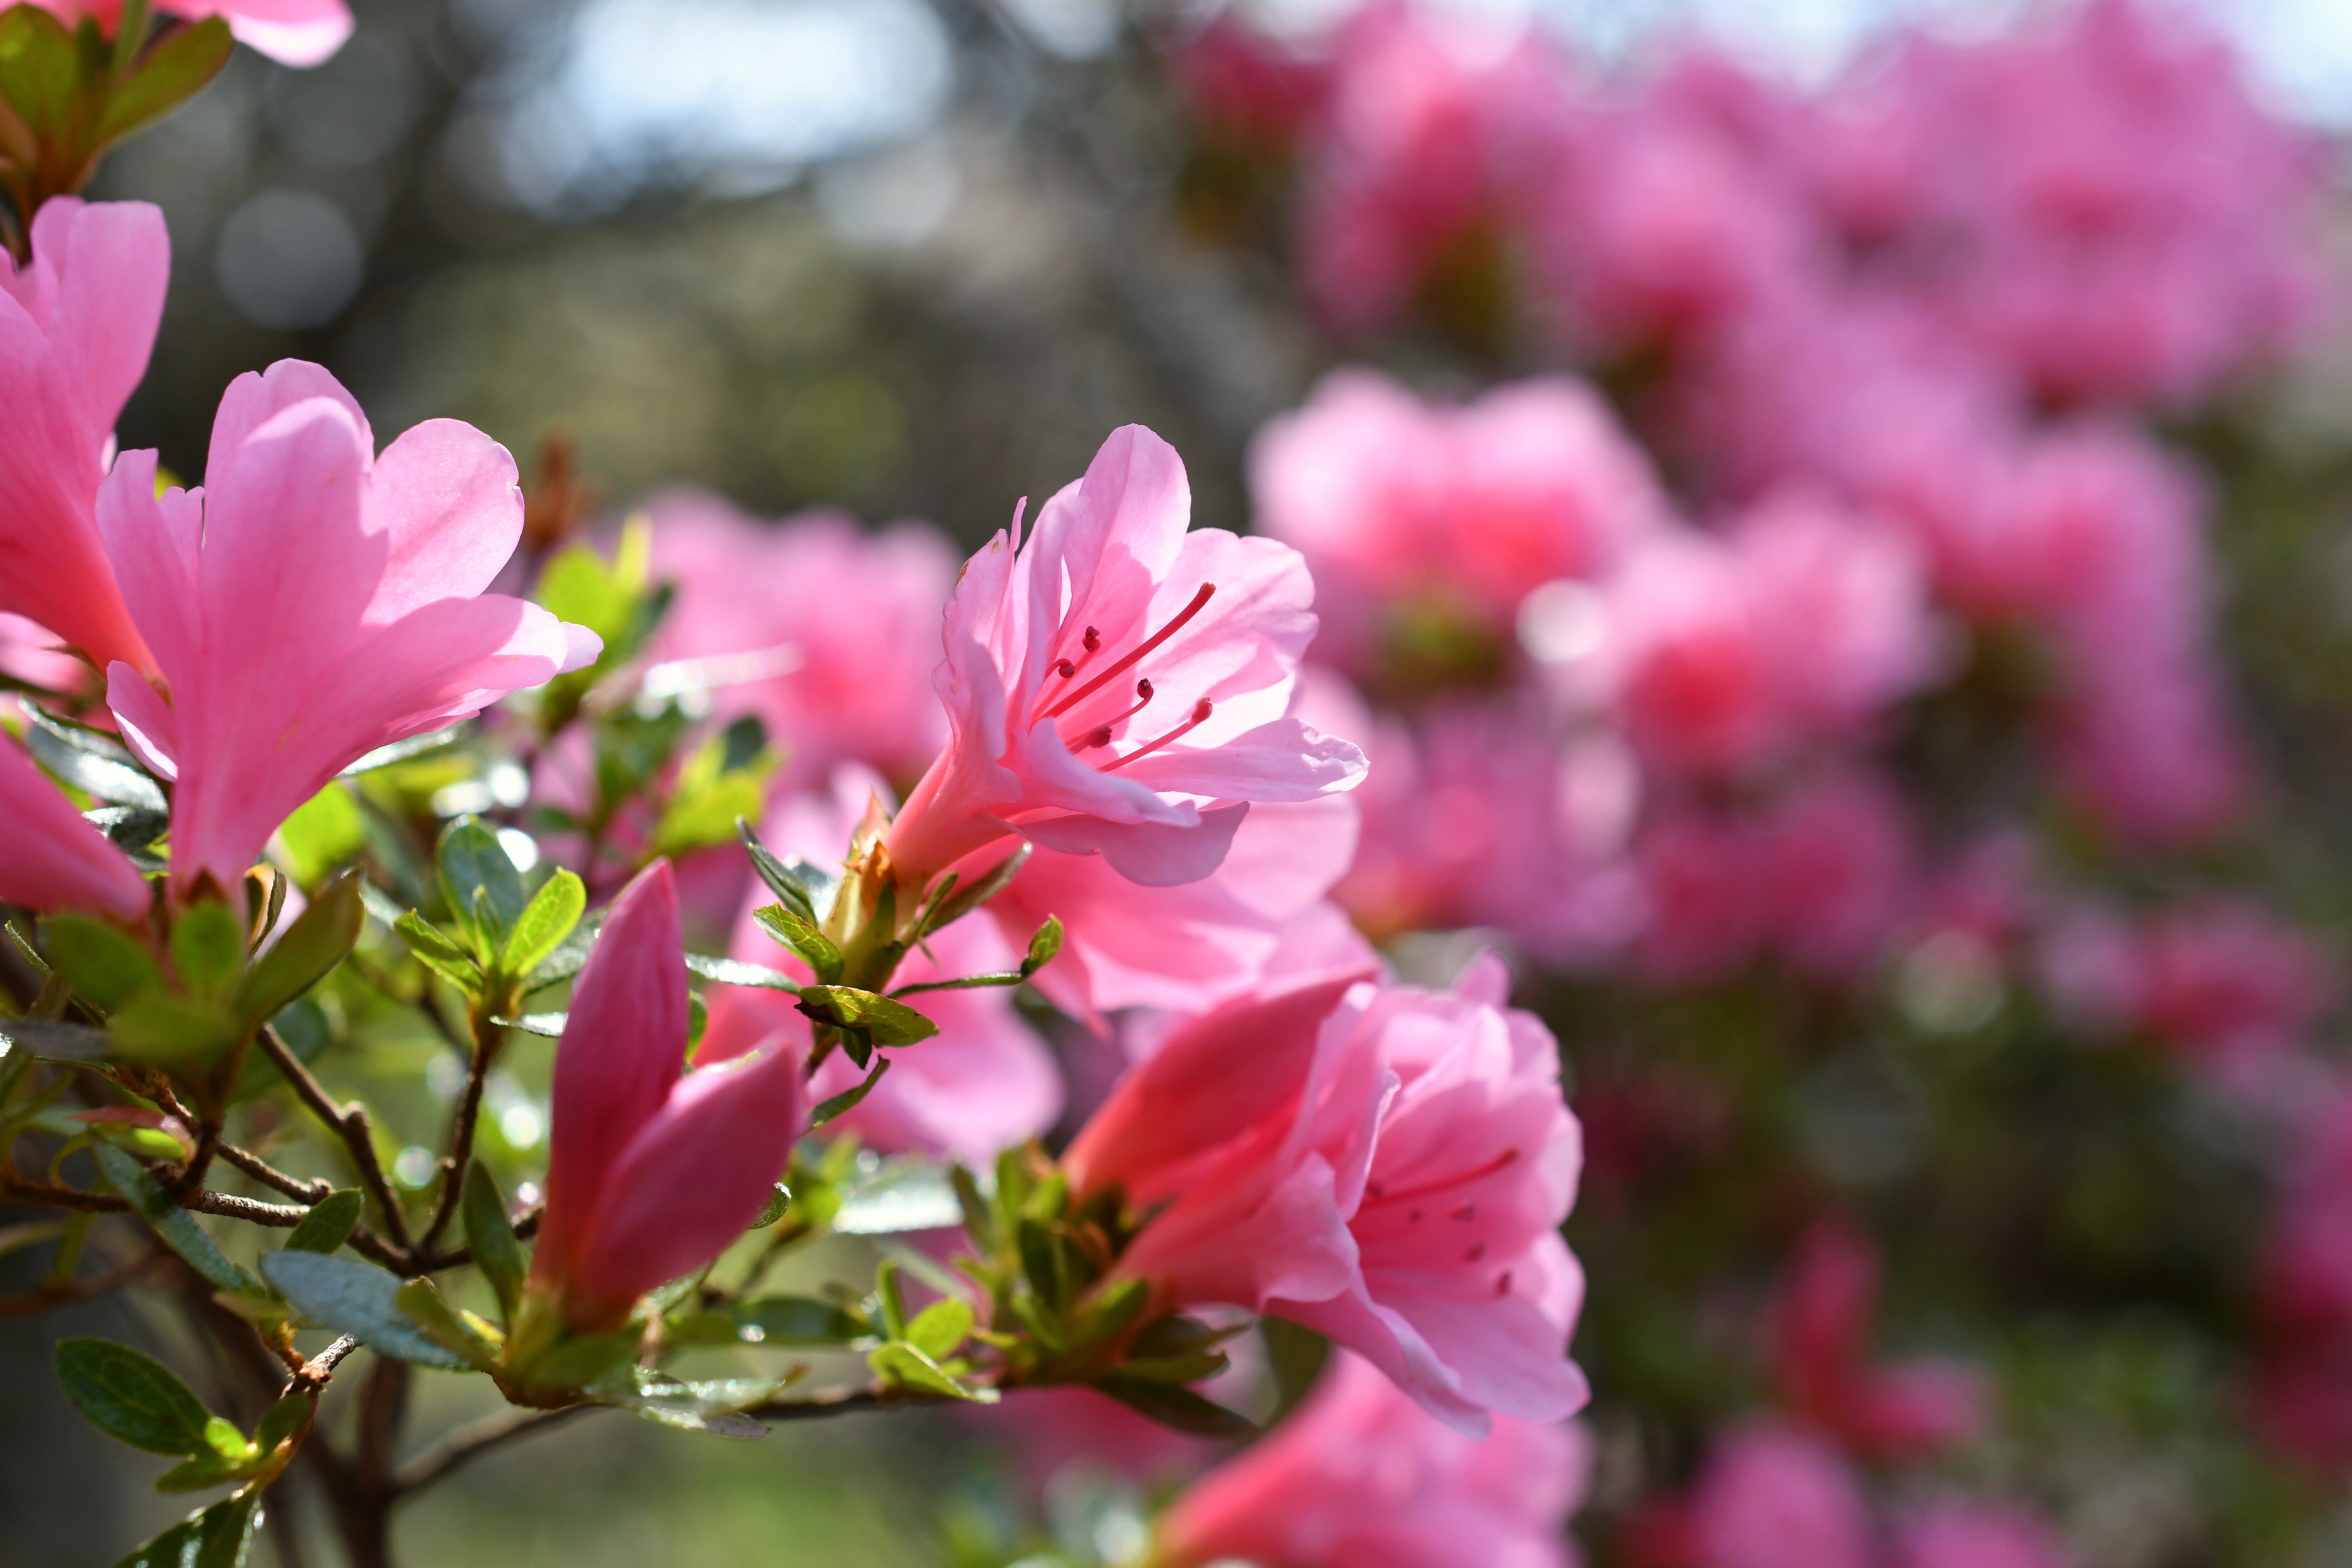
(1703,910)
(34,655)
(1402,506)
(1247,86)
(652,1171)
(312,602)
(1113,622)
(827,633)
(1360,1477)
(76,324)
(1834,865)
(291,32)
(1960,1532)
(984,1083)
(2219,978)
(1898,1412)
(1687,659)
(56,860)
(1773,1496)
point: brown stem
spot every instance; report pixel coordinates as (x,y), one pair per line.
(364,1242)
(32,1192)
(360,1489)
(469,1442)
(351,1123)
(49,1293)
(280,1216)
(488,1038)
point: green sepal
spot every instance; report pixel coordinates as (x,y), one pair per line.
(796,931)
(158,1026)
(208,950)
(105,966)
(580,1361)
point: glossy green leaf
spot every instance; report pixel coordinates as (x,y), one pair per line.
(801,888)
(306,950)
(90,759)
(208,950)
(158,1026)
(773,1209)
(173,72)
(479,880)
(104,964)
(734,971)
(355,1298)
(329,1224)
(449,1328)
(175,1225)
(497,1253)
(888,1022)
(902,1365)
(219,1537)
(131,1398)
(544,922)
(1178,1408)
(940,1326)
(826,1110)
(815,949)
(798,1321)
(711,1407)
(39,67)
(438,953)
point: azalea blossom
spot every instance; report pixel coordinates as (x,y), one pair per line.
(55,859)
(1360,1477)
(652,1171)
(1962,1532)
(311,602)
(1119,685)
(291,32)
(76,324)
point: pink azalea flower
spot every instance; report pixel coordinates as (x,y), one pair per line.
(34,655)
(56,860)
(291,32)
(76,326)
(1703,913)
(1773,1496)
(1958,1533)
(1834,864)
(1404,508)
(1360,1477)
(311,602)
(1119,685)
(1246,87)
(1893,1412)
(652,1170)
(984,1083)
(821,629)
(1387,1165)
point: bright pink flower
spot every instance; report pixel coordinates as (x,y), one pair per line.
(1405,507)
(1686,658)
(310,603)
(1119,685)
(1387,1165)
(55,859)
(822,630)
(652,1170)
(34,655)
(984,1083)
(76,326)
(1958,1533)
(1773,1496)
(1360,1477)
(291,32)
(1893,1412)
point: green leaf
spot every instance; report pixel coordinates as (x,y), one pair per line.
(158,1026)
(890,1023)
(174,70)
(798,1321)
(305,950)
(801,887)
(281,1422)
(902,1365)
(1178,1408)
(323,833)
(713,1407)
(355,1298)
(815,949)
(940,1326)
(219,1537)
(578,1362)
(497,1253)
(544,922)
(479,880)
(329,1224)
(438,953)
(964,902)
(131,1398)
(773,1209)
(571,955)
(177,1227)
(203,1472)
(447,1326)
(1043,946)
(91,760)
(104,964)
(208,950)
(733,972)
(39,69)
(715,789)
(63,1042)
(847,1099)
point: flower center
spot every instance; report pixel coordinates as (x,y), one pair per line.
(1067,670)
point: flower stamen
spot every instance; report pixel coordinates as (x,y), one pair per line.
(1094,642)
(1201,711)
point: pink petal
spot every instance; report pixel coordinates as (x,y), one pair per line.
(448,497)
(149,726)
(55,859)
(1153,854)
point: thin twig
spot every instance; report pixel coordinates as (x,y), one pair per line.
(33,1192)
(488,1038)
(282,1217)
(471,1441)
(51,1292)
(364,1241)
(312,1374)
(351,1123)
(838,1402)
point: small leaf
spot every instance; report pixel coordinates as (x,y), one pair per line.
(849,1098)
(438,953)
(329,1224)
(815,949)
(93,762)
(305,950)
(1178,1408)
(798,884)
(544,922)
(798,1321)
(219,1537)
(497,1253)
(473,862)
(282,1422)
(39,68)
(964,902)
(174,70)
(773,1209)
(355,1298)
(421,1300)
(208,950)
(733,972)
(902,1365)
(571,955)
(1043,946)
(940,1326)
(157,1026)
(201,1473)
(888,1022)
(131,1398)
(177,1227)
(102,962)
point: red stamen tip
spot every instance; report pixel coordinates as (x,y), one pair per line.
(1202,709)
(1143,690)
(1098,736)
(1065,668)
(1093,639)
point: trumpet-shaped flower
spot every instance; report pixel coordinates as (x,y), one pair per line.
(311,602)
(1359,1477)
(76,323)
(652,1170)
(291,32)
(55,860)
(1119,685)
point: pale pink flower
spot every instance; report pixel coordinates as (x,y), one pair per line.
(1962,1532)
(1360,1477)
(55,859)
(76,323)
(652,1170)
(984,1083)
(1773,1496)
(1119,685)
(1407,507)
(291,32)
(311,602)
(822,630)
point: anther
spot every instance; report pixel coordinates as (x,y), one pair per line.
(1503,1284)
(1098,736)
(1093,641)
(1474,1252)
(1466,1212)
(1201,711)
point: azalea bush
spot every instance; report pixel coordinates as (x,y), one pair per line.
(1724,703)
